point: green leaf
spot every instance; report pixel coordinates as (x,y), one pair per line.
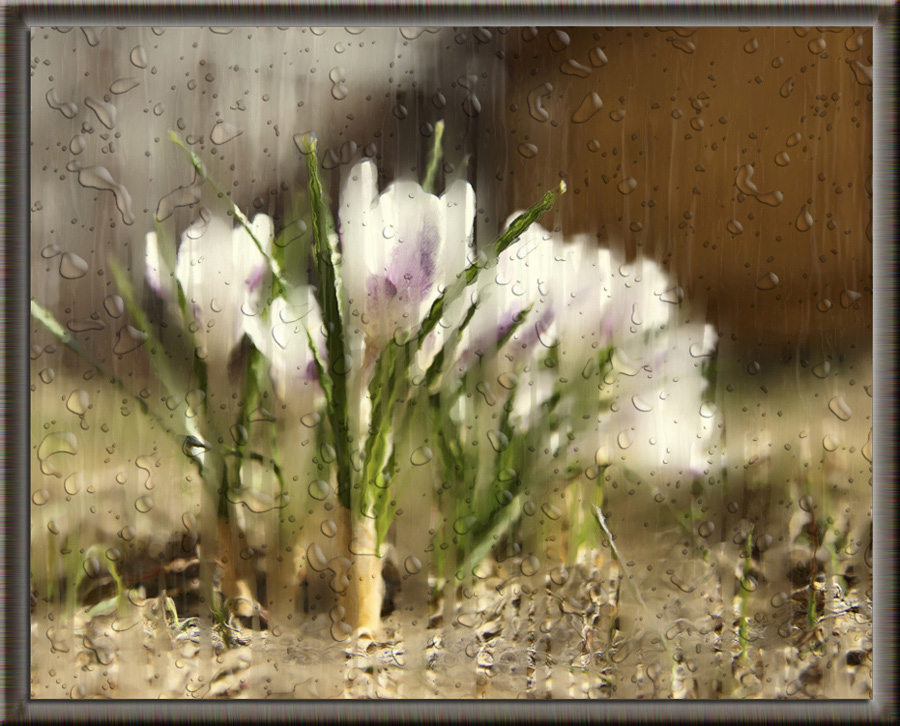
(329,294)
(47,319)
(153,346)
(382,390)
(470,274)
(434,158)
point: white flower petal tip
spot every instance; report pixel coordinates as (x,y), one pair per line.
(155,270)
(397,248)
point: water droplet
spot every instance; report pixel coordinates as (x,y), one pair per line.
(411,33)
(706,529)
(627,186)
(822,369)
(310,420)
(589,106)
(805,220)
(412,565)
(463,525)
(72,267)
(574,68)
(551,511)
(530,566)
(40,497)
(83,325)
(867,448)
(786,88)
(50,251)
(734,227)
(159,109)
(708,409)
(749,583)
(767,282)
(143,504)
(782,158)
(97,177)
(849,298)
(91,567)
(597,57)
(77,144)
(640,404)
(66,108)
(239,434)
(743,181)
(181,197)
(535,106)
(194,399)
(498,439)
(674,295)
(806,503)
(830,443)
(529,151)
(816,46)
(507,381)
(319,489)
(57,442)
(697,124)
(529,508)
(471,105)
(105,112)
(751,46)
(123,85)
(824,305)
(839,408)
(129,339)
(558,40)
(625,438)
(685,46)
(78,401)
(47,375)
(753,368)
(421,456)
(139,56)
(261,414)
(617,115)
(114,306)
(224,132)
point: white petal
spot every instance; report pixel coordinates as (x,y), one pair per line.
(362,250)
(156,271)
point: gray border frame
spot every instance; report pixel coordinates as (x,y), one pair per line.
(18,16)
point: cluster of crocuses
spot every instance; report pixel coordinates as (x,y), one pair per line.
(581,354)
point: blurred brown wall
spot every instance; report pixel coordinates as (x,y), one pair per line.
(683,110)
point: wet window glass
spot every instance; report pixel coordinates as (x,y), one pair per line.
(499,362)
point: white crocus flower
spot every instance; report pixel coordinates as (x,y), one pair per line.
(221,271)
(282,338)
(583,301)
(397,249)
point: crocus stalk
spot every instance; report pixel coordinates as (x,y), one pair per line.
(397,248)
(613,330)
(220,272)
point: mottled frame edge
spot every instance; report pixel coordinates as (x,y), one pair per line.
(13,364)
(14,656)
